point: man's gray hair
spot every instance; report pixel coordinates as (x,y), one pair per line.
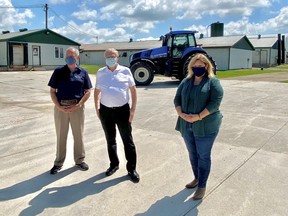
(111,50)
(73,49)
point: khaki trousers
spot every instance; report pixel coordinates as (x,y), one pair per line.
(76,121)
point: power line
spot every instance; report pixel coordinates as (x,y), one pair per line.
(71,26)
(45,8)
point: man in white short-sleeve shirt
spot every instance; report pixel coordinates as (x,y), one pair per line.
(114,84)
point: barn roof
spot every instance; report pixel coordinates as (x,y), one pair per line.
(238,41)
(37,36)
(134,45)
(225,41)
(264,42)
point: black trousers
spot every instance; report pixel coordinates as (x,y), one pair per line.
(110,117)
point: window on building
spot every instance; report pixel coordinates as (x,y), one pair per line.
(56,52)
(59,52)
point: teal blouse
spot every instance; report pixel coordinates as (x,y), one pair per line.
(195,98)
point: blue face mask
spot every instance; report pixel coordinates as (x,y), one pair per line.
(111,62)
(199,71)
(70,60)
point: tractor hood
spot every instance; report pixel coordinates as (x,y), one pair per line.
(154,53)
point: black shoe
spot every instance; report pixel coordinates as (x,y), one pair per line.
(134,176)
(111,170)
(55,169)
(83,166)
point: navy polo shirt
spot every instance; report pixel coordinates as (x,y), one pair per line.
(70,85)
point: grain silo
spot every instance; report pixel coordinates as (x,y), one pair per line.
(217,29)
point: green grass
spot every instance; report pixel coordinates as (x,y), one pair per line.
(247,72)
(283,66)
(91,69)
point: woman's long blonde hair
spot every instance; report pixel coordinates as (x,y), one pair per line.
(205,60)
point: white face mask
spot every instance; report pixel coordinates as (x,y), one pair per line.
(111,62)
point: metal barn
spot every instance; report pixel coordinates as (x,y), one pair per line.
(229,52)
(33,49)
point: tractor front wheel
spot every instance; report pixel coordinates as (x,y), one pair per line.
(143,73)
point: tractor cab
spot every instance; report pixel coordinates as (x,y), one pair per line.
(178,41)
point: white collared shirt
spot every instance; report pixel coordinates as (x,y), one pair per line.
(114,86)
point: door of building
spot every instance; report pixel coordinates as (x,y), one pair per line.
(18,54)
(263,57)
(36,55)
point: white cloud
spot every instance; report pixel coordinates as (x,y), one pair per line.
(121,19)
(143,27)
(222,8)
(51,21)
(90,33)
(10,18)
(246,27)
(58,1)
(144,15)
(280,22)
(85,14)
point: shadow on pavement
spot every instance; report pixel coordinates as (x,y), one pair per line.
(178,204)
(58,197)
(32,185)
(161,84)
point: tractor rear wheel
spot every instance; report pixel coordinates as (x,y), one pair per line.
(143,73)
(186,63)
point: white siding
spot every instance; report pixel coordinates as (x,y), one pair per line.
(220,56)
(240,58)
(274,57)
(230,58)
(97,57)
(265,57)
(47,54)
(3,53)
(92,58)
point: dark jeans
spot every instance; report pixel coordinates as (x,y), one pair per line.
(199,149)
(110,117)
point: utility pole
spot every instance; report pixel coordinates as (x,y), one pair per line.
(46,15)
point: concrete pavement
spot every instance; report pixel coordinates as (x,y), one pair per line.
(249,160)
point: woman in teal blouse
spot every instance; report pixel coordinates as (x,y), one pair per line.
(197,103)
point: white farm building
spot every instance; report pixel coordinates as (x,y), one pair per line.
(30,49)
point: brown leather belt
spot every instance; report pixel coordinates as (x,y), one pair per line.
(68,102)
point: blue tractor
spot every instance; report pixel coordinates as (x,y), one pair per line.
(171,59)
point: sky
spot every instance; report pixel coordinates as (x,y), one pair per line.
(98,21)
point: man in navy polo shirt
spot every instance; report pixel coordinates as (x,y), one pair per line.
(70,89)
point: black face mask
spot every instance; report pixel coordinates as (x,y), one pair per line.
(199,71)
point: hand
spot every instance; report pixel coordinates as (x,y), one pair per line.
(62,108)
(131,116)
(69,109)
(190,117)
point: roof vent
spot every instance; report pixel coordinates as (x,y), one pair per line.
(23,29)
(5,32)
(259,36)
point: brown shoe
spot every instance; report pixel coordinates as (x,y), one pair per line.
(192,184)
(199,194)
